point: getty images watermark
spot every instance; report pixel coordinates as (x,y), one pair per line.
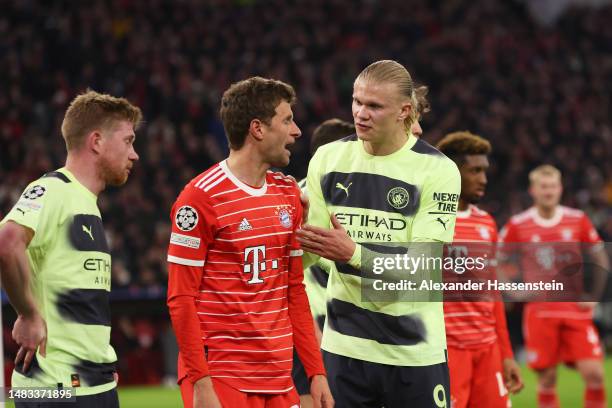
(472,271)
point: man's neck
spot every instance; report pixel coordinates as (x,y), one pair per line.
(463,205)
(86,172)
(546,212)
(388,146)
(246,165)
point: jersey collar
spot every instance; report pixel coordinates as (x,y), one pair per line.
(77,183)
(257,192)
(547,222)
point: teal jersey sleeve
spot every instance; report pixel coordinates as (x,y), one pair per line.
(437,213)
(38,208)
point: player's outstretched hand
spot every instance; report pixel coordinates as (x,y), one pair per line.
(333,244)
(30,333)
(512,376)
(321,395)
(204,395)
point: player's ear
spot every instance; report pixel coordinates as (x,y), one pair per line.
(256,129)
(94,141)
(405,111)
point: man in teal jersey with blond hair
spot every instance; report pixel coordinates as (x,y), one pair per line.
(55,260)
(380,186)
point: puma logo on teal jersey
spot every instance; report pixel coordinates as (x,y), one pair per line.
(88,231)
(341,186)
(443,222)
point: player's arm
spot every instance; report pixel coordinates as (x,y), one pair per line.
(304,337)
(26,224)
(512,372)
(30,330)
(437,213)
(596,254)
(191,234)
(14,240)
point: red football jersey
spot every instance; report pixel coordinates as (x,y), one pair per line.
(243,238)
(567,229)
(471,325)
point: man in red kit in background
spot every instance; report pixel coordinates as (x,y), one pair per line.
(558,332)
(480,358)
(235,291)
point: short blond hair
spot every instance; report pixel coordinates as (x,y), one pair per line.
(389,71)
(544,170)
(92,110)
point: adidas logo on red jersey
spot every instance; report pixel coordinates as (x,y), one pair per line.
(244,225)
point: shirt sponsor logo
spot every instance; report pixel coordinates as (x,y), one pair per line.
(371,221)
(34,192)
(185,240)
(186,218)
(447,202)
(398,197)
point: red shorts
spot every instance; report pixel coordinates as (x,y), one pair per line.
(231,397)
(476,378)
(553,339)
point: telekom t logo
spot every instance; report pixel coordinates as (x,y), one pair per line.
(259,262)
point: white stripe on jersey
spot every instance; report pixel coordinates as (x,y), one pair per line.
(462,314)
(183,261)
(252,197)
(257,331)
(248,338)
(253,351)
(484,329)
(254,301)
(243,313)
(210,176)
(224,192)
(246,210)
(263,276)
(250,371)
(250,362)
(255,236)
(272,391)
(235,324)
(233,376)
(241,252)
(296,252)
(207,189)
(245,293)
(279,186)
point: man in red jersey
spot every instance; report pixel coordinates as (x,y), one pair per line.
(480,358)
(558,332)
(235,291)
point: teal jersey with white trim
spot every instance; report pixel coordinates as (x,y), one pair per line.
(410,195)
(70,264)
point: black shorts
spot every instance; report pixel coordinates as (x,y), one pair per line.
(357,383)
(108,399)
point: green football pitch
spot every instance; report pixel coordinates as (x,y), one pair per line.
(570,389)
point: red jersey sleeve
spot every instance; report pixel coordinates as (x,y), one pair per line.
(588,233)
(304,337)
(193,228)
(501,329)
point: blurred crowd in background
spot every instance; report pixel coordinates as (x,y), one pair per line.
(538,93)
